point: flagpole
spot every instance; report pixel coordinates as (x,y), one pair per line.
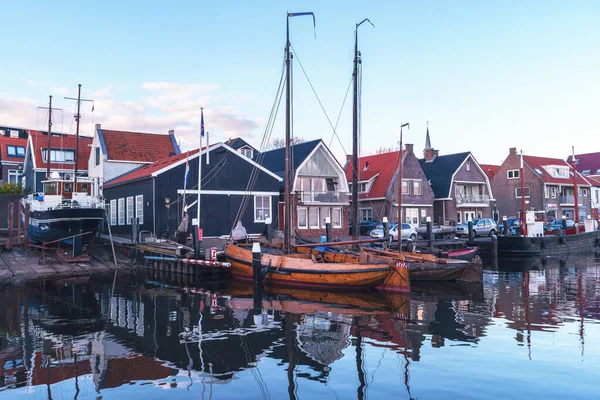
(200,163)
(207,146)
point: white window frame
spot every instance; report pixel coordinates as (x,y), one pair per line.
(113,212)
(458,217)
(130,210)
(139,208)
(14,134)
(263,208)
(317,226)
(335,210)
(553,192)
(246,152)
(121,211)
(417,184)
(305,210)
(325,210)
(584,190)
(404,181)
(364,210)
(546,192)
(13,173)
(515,174)
(527,188)
(480,215)
(468,164)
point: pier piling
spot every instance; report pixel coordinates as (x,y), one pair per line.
(386,234)
(471,235)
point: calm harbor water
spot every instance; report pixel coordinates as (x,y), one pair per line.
(526,332)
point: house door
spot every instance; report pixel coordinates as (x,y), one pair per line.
(281,215)
(469,216)
(412,216)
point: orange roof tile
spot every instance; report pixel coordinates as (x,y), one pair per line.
(537,164)
(384,166)
(61,141)
(137,146)
(8,141)
(490,170)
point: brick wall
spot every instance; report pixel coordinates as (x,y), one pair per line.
(314,233)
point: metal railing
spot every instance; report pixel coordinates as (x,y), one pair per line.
(323,197)
(472,198)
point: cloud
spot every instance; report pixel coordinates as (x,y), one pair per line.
(159,107)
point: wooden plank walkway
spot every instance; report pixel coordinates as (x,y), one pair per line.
(21,264)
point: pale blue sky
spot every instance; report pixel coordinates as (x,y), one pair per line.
(486,75)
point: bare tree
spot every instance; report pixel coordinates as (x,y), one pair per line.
(279,143)
(387,149)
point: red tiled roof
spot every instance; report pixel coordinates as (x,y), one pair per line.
(137,146)
(385,165)
(8,141)
(590,161)
(537,163)
(147,170)
(490,170)
(593,181)
(63,141)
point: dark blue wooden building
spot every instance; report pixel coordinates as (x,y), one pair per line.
(154,193)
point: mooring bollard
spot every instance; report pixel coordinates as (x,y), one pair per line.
(328,229)
(429,229)
(505,225)
(197,239)
(268,232)
(256,265)
(386,234)
(494,247)
(19,206)
(564,223)
(471,235)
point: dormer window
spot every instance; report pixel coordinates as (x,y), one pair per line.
(15,151)
(247,152)
(59,156)
(586,172)
(469,164)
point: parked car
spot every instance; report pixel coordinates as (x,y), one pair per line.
(365,227)
(556,227)
(514,226)
(481,227)
(408,232)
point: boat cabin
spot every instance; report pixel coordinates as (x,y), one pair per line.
(58,192)
(64,187)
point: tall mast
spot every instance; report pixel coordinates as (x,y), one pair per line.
(286,182)
(400,173)
(49,136)
(77,117)
(575,193)
(355,221)
(523,220)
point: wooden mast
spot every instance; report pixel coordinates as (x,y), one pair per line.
(287,181)
(48,152)
(400,173)
(355,220)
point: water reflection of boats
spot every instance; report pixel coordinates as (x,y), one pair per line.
(304,301)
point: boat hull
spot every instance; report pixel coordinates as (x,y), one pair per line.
(301,270)
(520,246)
(49,225)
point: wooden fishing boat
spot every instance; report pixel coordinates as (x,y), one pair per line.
(421,267)
(304,269)
(286,266)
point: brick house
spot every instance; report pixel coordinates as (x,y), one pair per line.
(378,188)
(13,142)
(117,152)
(548,187)
(462,188)
(319,190)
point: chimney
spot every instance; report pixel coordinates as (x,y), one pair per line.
(409,147)
(172,132)
(98,126)
(348,158)
(512,151)
(430,154)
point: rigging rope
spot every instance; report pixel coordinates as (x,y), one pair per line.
(341,109)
